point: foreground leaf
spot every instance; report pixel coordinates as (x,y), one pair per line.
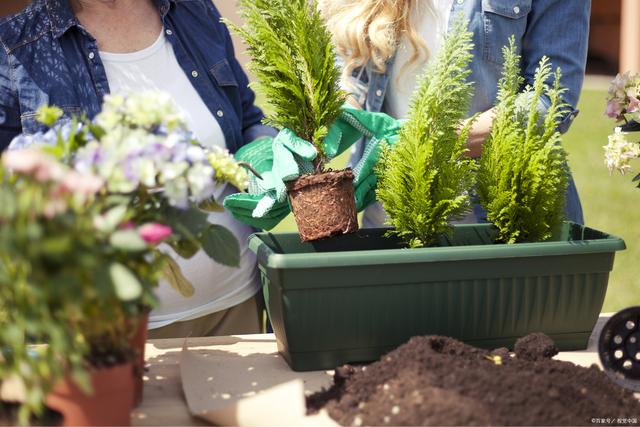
(127,285)
(221,245)
(173,274)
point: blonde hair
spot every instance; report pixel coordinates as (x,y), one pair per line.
(370,30)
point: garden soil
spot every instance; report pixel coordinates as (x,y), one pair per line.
(435,380)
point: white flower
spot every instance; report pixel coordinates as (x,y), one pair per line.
(619,152)
(172,171)
(201,183)
(177,192)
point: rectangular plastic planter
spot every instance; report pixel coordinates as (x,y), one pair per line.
(355,297)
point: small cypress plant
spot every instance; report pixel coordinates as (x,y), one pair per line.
(294,60)
(423,181)
(523,171)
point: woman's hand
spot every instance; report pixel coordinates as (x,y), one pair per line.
(480,131)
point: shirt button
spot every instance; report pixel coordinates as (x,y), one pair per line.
(219,113)
(92,55)
(378,92)
(516,10)
(168,32)
(459,1)
(194,73)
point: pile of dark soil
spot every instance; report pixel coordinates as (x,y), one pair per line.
(440,381)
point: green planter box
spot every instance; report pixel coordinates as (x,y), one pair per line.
(355,297)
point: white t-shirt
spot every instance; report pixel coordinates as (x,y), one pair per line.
(432,21)
(217,287)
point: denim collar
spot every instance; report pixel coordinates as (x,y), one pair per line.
(62,16)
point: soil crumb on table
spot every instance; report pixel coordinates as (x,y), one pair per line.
(535,347)
(440,381)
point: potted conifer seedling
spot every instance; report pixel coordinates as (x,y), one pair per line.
(294,60)
(353,298)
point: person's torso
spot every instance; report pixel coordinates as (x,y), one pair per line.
(216,286)
(55,61)
(491,22)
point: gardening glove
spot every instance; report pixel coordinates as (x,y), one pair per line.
(289,156)
(351,126)
(276,160)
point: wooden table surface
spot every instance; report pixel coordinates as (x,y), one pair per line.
(164,403)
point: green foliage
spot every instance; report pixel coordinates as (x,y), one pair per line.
(523,173)
(424,179)
(69,278)
(294,60)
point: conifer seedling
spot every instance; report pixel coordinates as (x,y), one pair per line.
(523,171)
(294,60)
(423,181)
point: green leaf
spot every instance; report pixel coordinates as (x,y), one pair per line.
(111,219)
(186,248)
(7,203)
(211,206)
(126,284)
(48,115)
(82,379)
(221,245)
(128,240)
(187,223)
(173,274)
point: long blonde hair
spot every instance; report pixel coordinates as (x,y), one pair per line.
(370,30)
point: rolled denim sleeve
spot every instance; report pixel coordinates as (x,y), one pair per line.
(558,29)
(252,127)
(9,108)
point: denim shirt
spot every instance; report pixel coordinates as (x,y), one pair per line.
(47,57)
(555,28)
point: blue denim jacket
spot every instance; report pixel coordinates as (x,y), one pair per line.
(46,56)
(556,28)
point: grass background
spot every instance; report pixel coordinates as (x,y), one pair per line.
(610,203)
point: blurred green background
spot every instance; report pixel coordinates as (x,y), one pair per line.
(610,203)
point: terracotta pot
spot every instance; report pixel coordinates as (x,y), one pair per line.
(110,404)
(138,342)
(324,204)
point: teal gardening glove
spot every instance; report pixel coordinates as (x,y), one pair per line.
(286,157)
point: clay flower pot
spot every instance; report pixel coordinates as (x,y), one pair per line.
(137,343)
(324,204)
(109,405)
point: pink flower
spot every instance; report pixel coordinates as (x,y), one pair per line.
(154,233)
(37,164)
(81,184)
(613,109)
(634,104)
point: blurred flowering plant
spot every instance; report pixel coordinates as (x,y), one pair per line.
(74,271)
(623,100)
(623,104)
(619,152)
(140,147)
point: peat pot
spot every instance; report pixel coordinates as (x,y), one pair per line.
(323,204)
(355,297)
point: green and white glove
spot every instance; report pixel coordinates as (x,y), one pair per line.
(286,157)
